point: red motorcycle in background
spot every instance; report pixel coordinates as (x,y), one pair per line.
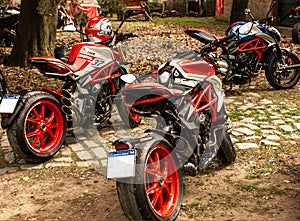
(37,122)
(192,128)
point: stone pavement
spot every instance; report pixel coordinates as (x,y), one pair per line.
(256,123)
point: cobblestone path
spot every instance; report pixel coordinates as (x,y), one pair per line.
(256,122)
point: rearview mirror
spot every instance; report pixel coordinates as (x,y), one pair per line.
(247,11)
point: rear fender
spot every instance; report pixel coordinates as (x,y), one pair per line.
(181,146)
(57,94)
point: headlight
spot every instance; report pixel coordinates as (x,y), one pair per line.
(164,78)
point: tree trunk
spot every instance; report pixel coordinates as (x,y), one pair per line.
(36,32)
(237,10)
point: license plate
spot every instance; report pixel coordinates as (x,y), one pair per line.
(121,164)
(9,103)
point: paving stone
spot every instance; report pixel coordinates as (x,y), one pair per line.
(260,107)
(278,122)
(253,138)
(66,151)
(266,132)
(76,147)
(87,163)
(253,94)
(245,131)
(287,128)
(246,145)
(104,162)
(29,166)
(63,159)
(269,143)
(84,155)
(99,152)
(262,118)
(236,134)
(297,125)
(70,140)
(251,126)
(234,140)
(248,120)
(267,126)
(288,120)
(91,143)
(273,137)
(265,102)
(57,164)
(8,170)
(9,157)
(285,111)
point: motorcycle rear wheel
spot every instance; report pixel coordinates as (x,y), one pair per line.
(156,192)
(283,79)
(226,152)
(39,130)
(296,33)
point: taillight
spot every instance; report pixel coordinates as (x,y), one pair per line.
(4,115)
(119,145)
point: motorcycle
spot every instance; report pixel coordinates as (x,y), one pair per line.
(37,122)
(9,20)
(192,129)
(252,46)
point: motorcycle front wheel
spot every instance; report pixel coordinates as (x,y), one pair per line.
(226,152)
(296,33)
(39,130)
(129,118)
(283,79)
(156,192)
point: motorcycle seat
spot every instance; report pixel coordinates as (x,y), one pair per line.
(201,35)
(49,64)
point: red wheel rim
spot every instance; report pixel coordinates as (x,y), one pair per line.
(43,127)
(161,181)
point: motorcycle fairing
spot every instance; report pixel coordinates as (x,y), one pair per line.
(193,69)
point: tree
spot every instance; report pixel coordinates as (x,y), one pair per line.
(36,31)
(237,10)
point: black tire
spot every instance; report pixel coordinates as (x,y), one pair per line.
(283,79)
(136,202)
(39,130)
(130,119)
(226,153)
(296,33)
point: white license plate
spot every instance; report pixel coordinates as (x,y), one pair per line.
(9,103)
(121,164)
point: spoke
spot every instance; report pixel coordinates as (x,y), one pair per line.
(33,120)
(36,139)
(165,170)
(42,112)
(156,197)
(50,119)
(153,189)
(33,133)
(167,189)
(50,132)
(157,161)
(36,114)
(42,136)
(151,172)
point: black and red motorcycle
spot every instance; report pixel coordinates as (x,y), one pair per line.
(251,47)
(9,19)
(37,122)
(192,128)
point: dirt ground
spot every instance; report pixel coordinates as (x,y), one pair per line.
(262,184)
